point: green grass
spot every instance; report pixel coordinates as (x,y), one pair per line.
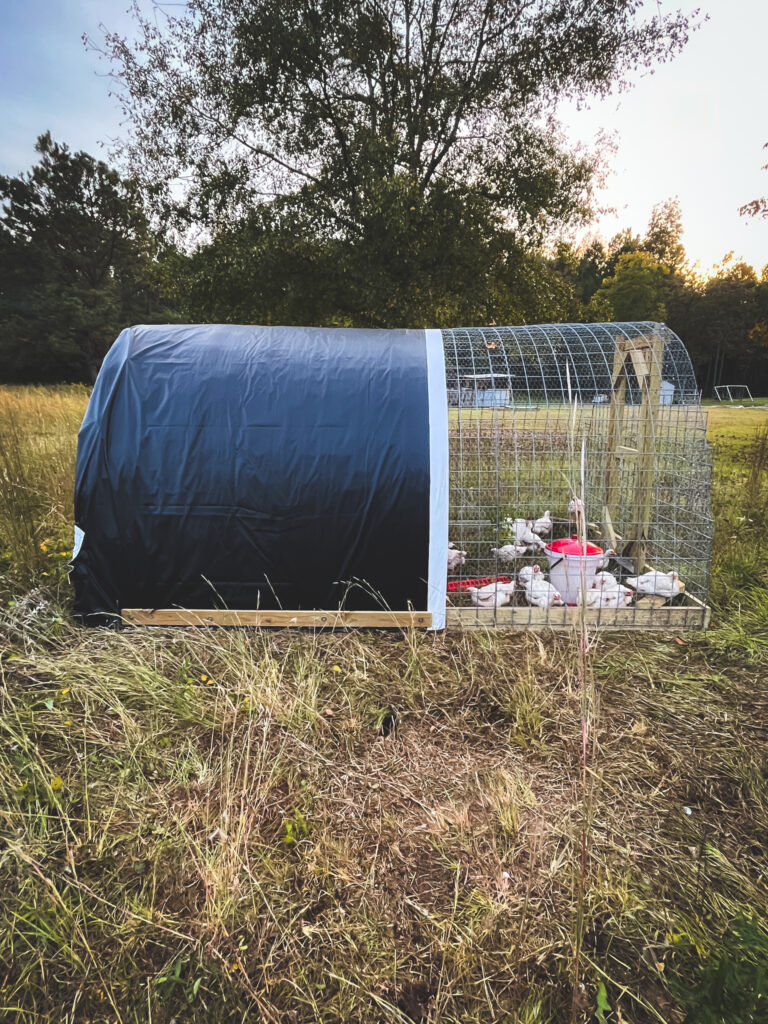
(211,825)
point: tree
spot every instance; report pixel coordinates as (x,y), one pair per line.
(663,239)
(74,264)
(332,100)
(398,134)
(729,310)
(638,288)
(593,268)
(269,270)
(757,207)
(723,323)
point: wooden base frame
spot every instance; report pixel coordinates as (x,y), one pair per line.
(313,619)
(640,616)
(646,614)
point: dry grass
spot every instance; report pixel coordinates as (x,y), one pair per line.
(729,424)
(38,441)
(280,826)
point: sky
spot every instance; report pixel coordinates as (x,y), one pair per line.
(694,129)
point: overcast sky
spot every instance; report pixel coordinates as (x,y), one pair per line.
(694,129)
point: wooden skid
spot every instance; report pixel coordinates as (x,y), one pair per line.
(317,619)
(675,617)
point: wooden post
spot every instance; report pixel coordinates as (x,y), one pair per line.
(647,362)
(613,458)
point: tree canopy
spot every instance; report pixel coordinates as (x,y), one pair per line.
(399,155)
(756,207)
(356,109)
(74,264)
(638,288)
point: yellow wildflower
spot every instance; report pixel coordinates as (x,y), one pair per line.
(65,691)
(57,783)
(44,546)
(336,668)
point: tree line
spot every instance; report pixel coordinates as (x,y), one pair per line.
(390,163)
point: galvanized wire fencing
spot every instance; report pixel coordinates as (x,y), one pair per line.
(523,404)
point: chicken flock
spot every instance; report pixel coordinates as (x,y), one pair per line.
(525,538)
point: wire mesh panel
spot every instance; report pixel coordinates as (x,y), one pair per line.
(527,407)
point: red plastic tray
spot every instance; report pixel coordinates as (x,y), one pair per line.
(466,584)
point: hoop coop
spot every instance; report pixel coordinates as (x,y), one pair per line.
(294,476)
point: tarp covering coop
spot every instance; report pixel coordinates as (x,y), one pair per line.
(264,467)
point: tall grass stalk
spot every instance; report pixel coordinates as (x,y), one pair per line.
(585,687)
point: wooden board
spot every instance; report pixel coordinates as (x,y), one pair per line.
(316,619)
(642,616)
(675,617)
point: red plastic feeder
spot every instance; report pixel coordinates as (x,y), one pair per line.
(466,584)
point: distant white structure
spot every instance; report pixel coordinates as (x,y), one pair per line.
(483,391)
(733,393)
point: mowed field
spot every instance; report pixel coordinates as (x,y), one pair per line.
(293,827)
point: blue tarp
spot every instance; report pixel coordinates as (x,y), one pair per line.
(255,467)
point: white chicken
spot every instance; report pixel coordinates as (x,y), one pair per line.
(667,584)
(455,557)
(519,528)
(543,525)
(522,529)
(575,505)
(609,597)
(607,554)
(509,552)
(492,588)
(491,596)
(528,572)
(618,598)
(604,581)
(541,593)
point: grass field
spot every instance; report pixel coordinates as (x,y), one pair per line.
(278,827)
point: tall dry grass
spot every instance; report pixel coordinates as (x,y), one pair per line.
(38,441)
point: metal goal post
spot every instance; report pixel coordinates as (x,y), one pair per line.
(733,393)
